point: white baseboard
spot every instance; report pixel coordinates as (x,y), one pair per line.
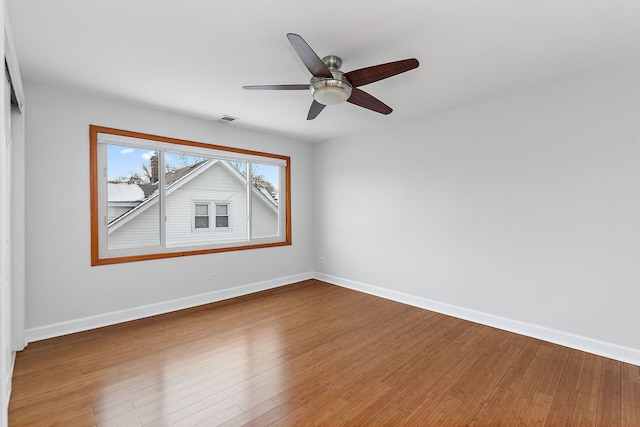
(600,348)
(111,318)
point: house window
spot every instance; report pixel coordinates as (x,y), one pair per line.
(222,215)
(201,216)
(150,194)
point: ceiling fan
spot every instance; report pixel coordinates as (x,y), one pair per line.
(330,86)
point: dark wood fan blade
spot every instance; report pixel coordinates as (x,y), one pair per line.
(313,63)
(363,99)
(367,75)
(277,87)
(315,109)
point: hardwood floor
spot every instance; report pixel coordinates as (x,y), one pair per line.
(315,354)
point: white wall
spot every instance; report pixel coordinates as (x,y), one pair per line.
(5,248)
(11,216)
(18,269)
(64,292)
(523,210)
(5,263)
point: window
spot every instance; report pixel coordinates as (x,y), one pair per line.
(222,216)
(156,197)
(201,217)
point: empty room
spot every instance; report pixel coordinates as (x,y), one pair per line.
(352,214)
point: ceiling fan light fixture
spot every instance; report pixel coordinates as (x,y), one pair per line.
(330,91)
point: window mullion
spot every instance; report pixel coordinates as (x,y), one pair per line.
(249,200)
(161,198)
(282,201)
(103,209)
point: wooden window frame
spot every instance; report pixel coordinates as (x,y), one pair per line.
(94,180)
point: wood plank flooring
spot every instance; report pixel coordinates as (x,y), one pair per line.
(315,354)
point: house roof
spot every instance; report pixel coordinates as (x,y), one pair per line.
(121,192)
(171,177)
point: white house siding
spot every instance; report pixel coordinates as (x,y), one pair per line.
(115,210)
(216,184)
(141,231)
(264,218)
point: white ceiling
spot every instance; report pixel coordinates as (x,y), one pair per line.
(194,56)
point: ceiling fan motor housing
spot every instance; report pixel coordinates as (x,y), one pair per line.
(331,91)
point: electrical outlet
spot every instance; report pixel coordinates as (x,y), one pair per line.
(321,260)
(213,276)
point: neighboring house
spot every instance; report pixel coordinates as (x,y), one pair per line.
(205,203)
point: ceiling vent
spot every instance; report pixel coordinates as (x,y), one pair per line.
(227,119)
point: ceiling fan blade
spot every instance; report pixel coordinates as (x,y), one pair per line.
(367,75)
(363,99)
(315,109)
(313,63)
(277,87)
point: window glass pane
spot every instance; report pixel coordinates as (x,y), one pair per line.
(239,166)
(222,221)
(202,209)
(264,200)
(190,178)
(133,215)
(222,209)
(202,222)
